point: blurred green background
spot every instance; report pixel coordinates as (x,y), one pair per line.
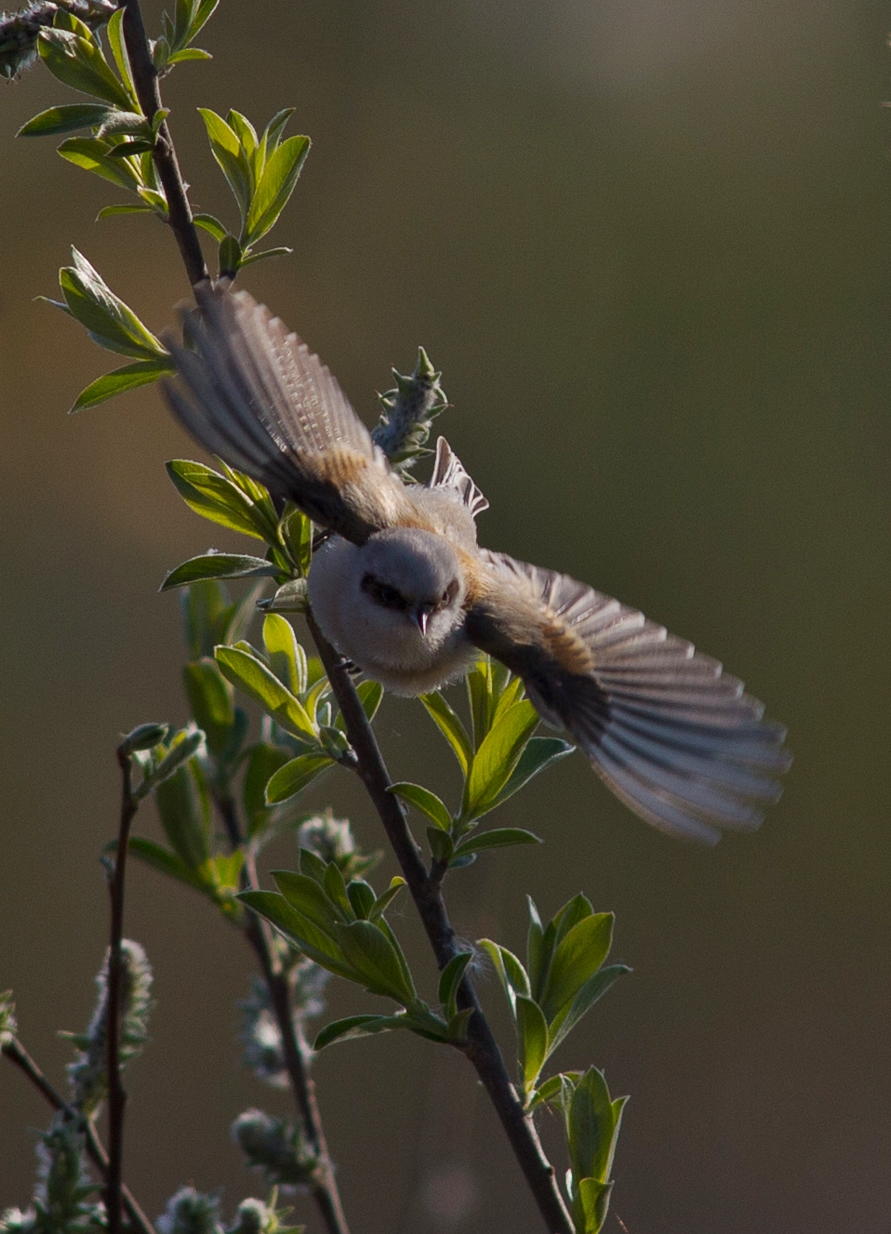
(647,242)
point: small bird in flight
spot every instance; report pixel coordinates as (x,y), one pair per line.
(402,588)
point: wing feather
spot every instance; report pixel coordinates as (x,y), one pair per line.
(256,395)
(675,738)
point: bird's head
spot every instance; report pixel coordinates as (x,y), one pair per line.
(417,577)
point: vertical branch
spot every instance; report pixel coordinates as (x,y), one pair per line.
(145,78)
(324,1188)
(481,1048)
(117,1098)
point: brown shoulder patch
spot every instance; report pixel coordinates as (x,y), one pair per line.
(570,651)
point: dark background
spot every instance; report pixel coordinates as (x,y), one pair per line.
(647,244)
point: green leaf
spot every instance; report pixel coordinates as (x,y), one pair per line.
(110,321)
(372,954)
(275,187)
(589,993)
(183,746)
(425,801)
(592,1127)
(552,1089)
(263,761)
(451,728)
(156,200)
(311,899)
(216,498)
(335,886)
(532,1034)
(260,684)
(539,754)
(281,251)
(592,1198)
(212,701)
(479,694)
(219,565)
(499,837)
(65,119)
(119,381)
(125,149)
(441,846)
(276,126)
(350,1027)
(115,30)
(184,809)
(383,902)
(317,943)
(577,958)
(108,212)
(362,898)
(79,63)
(230,256)
(370,695)
(144,737)
(228,153)
(280,642)
(159,858)
(91,153)
(496,758)
(458,1025)
(244,131)
(212,225)
(188,53)
(510,971)
(450,980)
(295,776)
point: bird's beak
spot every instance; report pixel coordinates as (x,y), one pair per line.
(420,616)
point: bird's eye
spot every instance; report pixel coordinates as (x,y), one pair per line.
(383,593)
(449,594)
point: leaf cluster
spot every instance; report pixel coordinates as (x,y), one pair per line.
(121,147)
(497,757)
(563,978)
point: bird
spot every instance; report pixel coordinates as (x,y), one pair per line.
(401,587)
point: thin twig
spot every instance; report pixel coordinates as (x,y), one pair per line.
(145,79)
(324,1188)
(19,1056)
(481,1047)
(117,1097)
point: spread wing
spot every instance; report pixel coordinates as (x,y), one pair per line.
(672,735)
(449,472)
(256,396)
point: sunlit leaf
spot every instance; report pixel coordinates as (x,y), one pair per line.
(119,381)
(276,185)
(218,565)
(449,724)
(65,119)
(425,801)
(79,63)
(261,684)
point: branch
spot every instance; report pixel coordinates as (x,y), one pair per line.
(324,1186)
(481,1047)
(145,78)
(19,1056)
(117,1097)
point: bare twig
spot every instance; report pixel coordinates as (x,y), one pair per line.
(19,1056)
(481,1047)
(117,1097)
(323,1188)
(145,78)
